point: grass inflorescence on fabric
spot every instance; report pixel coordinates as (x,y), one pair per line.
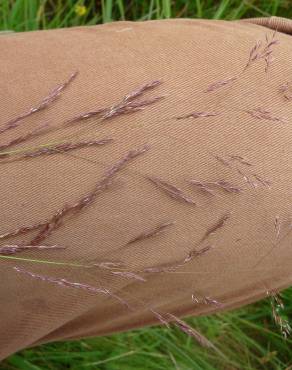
(248,337)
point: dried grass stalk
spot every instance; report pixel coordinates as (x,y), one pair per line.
(282,229)
(87,115)
(174,266)
(217,85)
(108,265)
(194,254)
(261,113)
(7,250)
(223,160)
(152,232)
(23,138)
(203,186)
(141,90)
(65,147)
(182,325)
(264,51)
(69,284)
(128,275)
(277,226)
(253,180)
(123,161)
(221,184)
(277,306)
(206,300)
(286,90)
(217,226)
(45,102)
(56,220)
(240,159)
(198,115)
(22,230)
(127,105)
(262,181)
(160,317)
(171,190)
(62,282)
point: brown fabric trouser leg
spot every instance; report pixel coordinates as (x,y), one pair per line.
(233,138)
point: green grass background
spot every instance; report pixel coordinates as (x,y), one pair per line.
(24,15)
(247,337)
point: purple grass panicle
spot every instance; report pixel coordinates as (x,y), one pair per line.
(152,232)
(171,190)
(44,103)
(7,250)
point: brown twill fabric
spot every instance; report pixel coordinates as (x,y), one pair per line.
(113,60)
